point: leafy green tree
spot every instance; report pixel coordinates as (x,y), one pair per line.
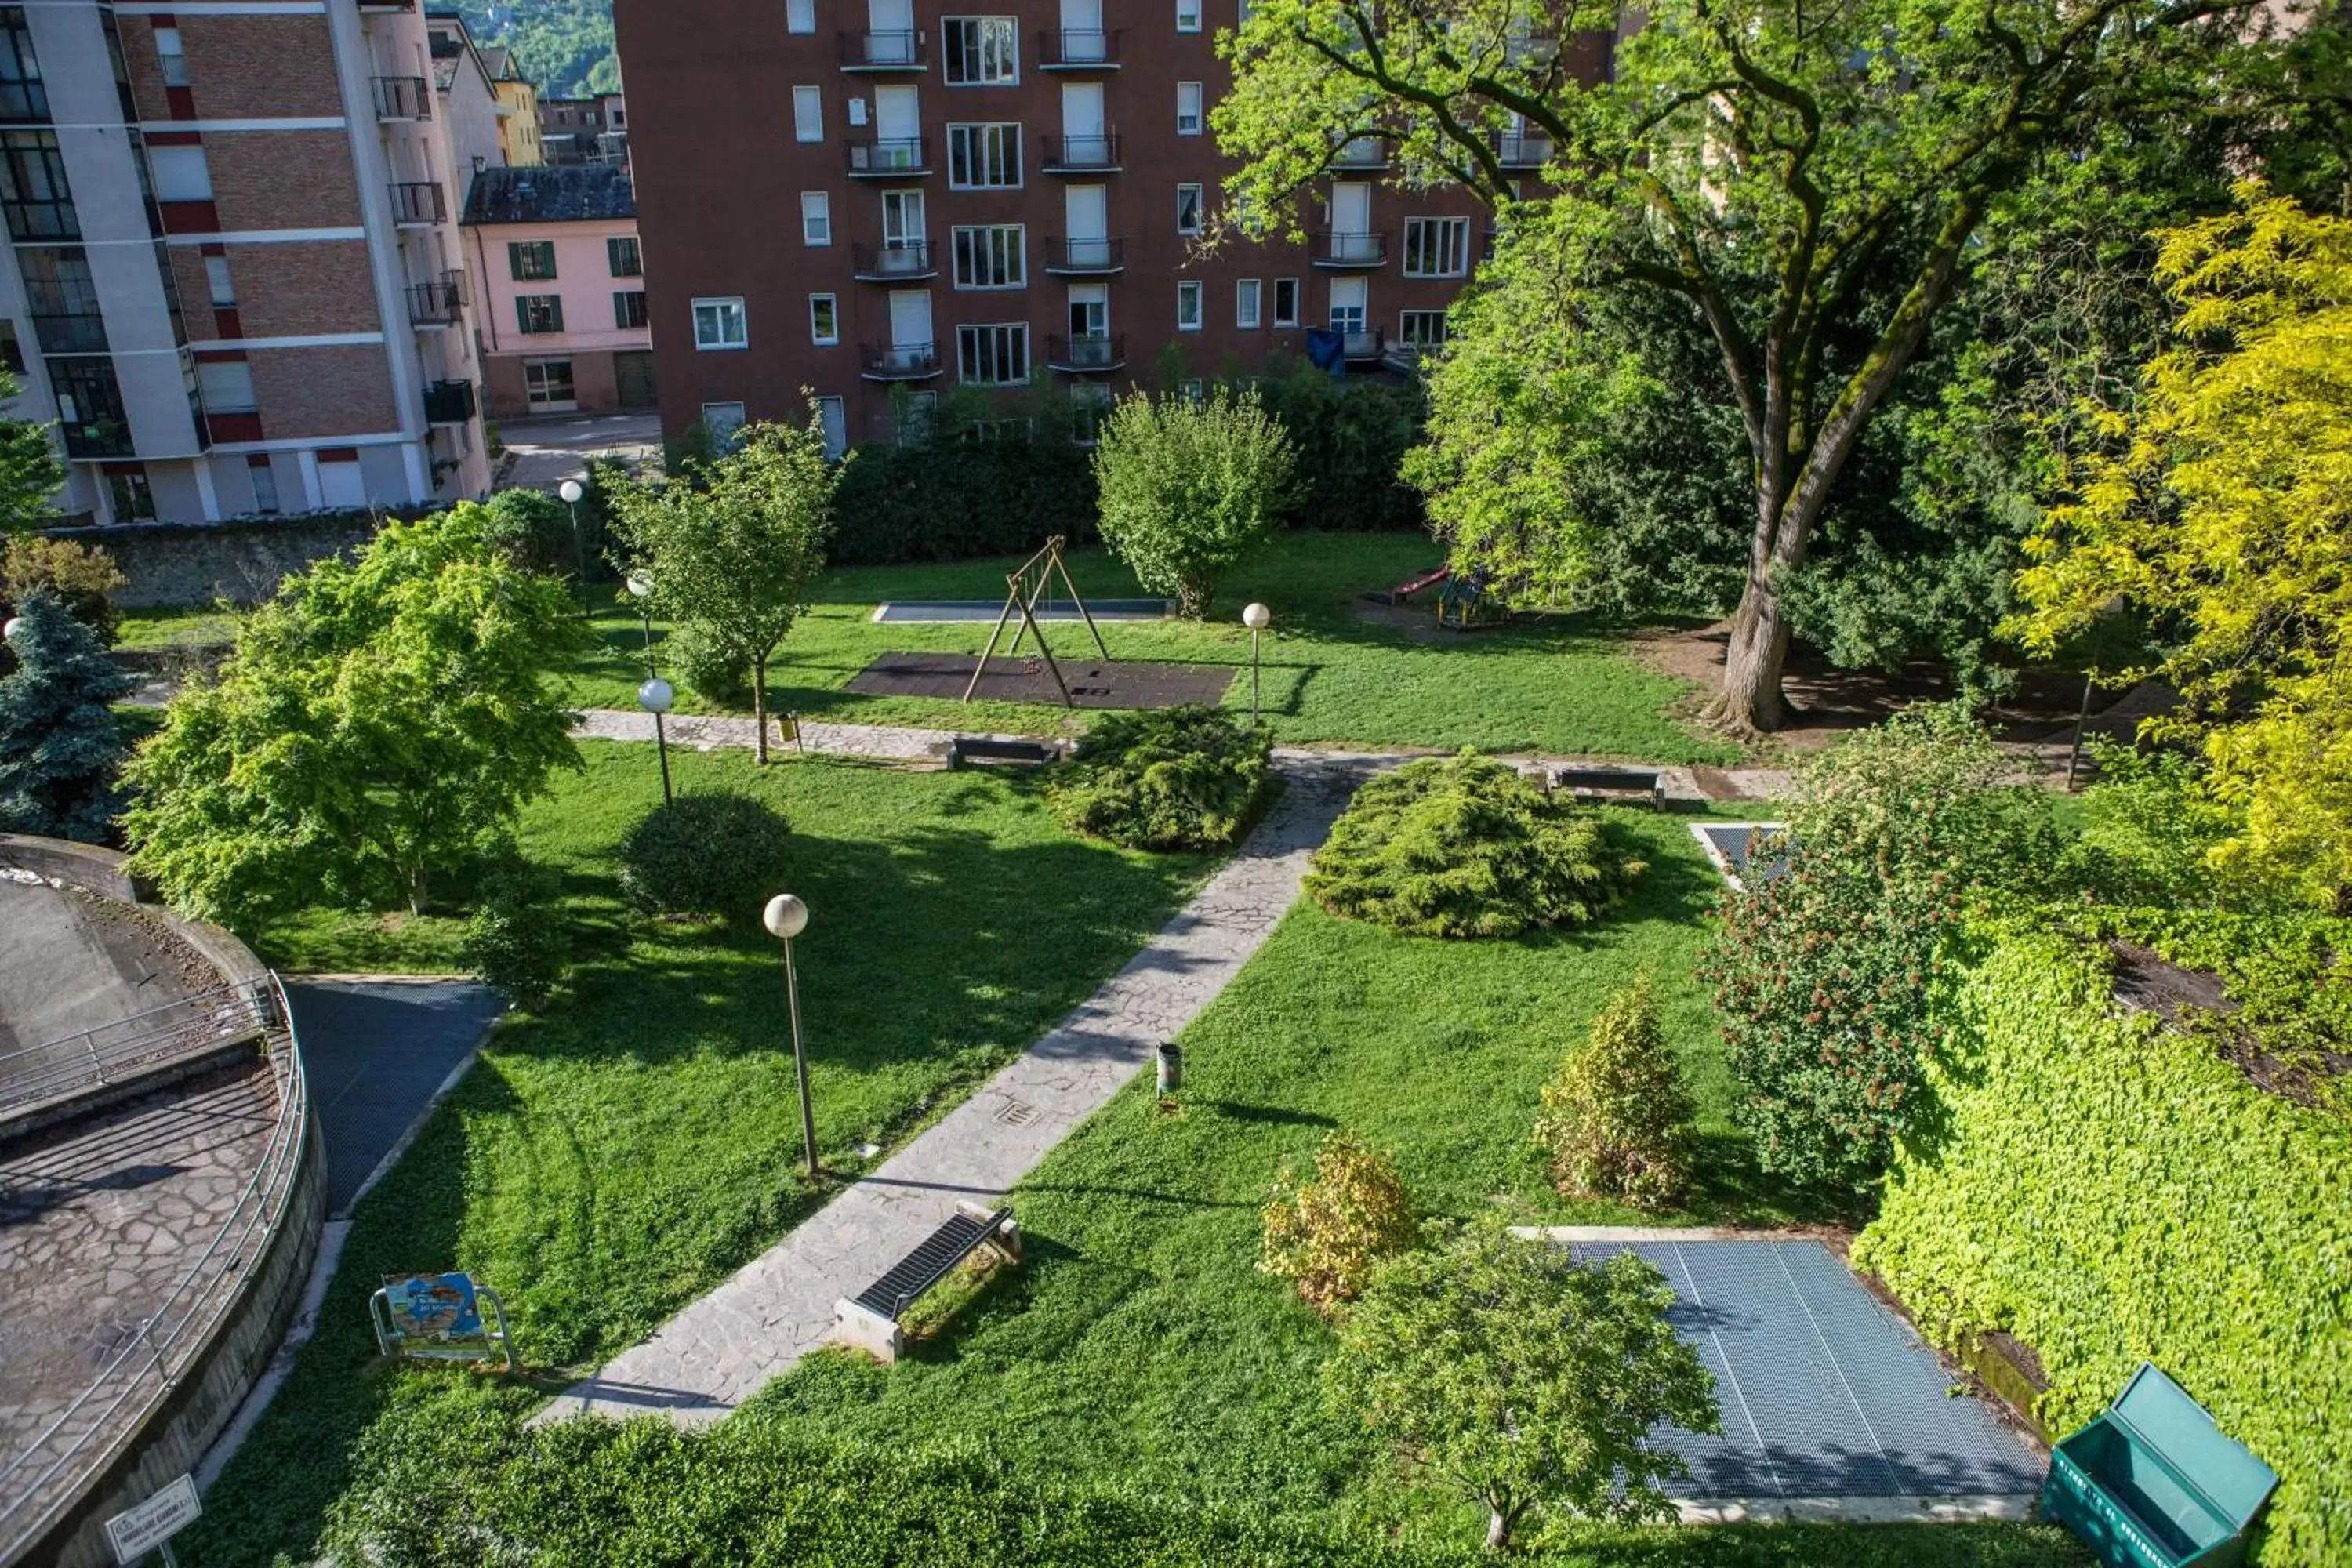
(59,746)
(31,473)
(84,577)
(734,549)
(1617,1121)
(1814,186)
(1327,1234)
(1521,1378)
(518,940)
(382,720)
(2225,508)
(1190,489)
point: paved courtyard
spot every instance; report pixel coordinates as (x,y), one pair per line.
(375,1052)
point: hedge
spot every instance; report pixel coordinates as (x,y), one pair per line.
(2109,1189)
(955,497)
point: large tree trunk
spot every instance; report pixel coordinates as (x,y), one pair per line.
(1750,701)
(1499,1519)
(760,709)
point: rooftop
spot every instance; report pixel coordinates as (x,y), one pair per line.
(585,193)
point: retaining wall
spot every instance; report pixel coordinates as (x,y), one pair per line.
(242,560)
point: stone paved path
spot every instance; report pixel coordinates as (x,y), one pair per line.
(720,1350)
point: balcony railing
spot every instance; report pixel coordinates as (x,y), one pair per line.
(870,157)
(1094,155)
(418,204)
(1366,343)
(898,362)
(438,303)
(1339,250)
(403,98)
(1087,355)
(1523,150)
(1073,50)
(449,402)
(893,262)
(1361,153)
(883,51)
(1086,257)
(70,334)
(97,438)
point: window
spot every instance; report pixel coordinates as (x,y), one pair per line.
(169,56)
(993,355)
(22,97)
(719,324)
(531,263)
(825,320)
(981,50)
(133,500)
(1285,301)
(1188,15)
(1246,296)
(917,414)
(265,484)
(808,114)
(832,419)
(12,353)
(1089,402)
(547,382)
(1188,109)
(537,313)
(1188,306)
(984,157)
(33,188)
(817,219)
(624,258)
(180,174)
(225,386)
(800,15)
(628,309)
(1188,209)
(1424,329)
(1436,246)
(218,281)
(989,257)
(1196,391)
(721,420)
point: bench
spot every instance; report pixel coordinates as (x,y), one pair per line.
(869,1320)
(976,750)
(1613,783)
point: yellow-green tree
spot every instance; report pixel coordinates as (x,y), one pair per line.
(2224,510)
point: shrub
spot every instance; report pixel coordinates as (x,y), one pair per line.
(1326,1235)
(1190,489)
(517,940)
(1464,846)
(709,853)
(970,482)
(84,577)
(533,530)
(1183,778)
(1617,1121)
(60,747)
(1351,435)
(708,666)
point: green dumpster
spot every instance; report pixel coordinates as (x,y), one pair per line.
(2154,1483)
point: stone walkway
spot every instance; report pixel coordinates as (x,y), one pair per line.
(721,1351)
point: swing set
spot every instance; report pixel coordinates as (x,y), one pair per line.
(1024,589)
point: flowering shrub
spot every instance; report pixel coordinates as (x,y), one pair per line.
(1326,1234)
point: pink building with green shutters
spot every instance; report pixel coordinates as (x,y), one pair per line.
(559,286)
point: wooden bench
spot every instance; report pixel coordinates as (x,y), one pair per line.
(1614,784)
(869,1320)
(978,751)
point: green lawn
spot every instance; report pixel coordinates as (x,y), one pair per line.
(1555,685)
(153,629)
(604,1166)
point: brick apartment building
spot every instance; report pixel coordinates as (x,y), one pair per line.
(235,275)
(875,198)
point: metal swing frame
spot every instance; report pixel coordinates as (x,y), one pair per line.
(1024,589)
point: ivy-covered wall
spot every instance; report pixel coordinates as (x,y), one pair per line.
(2109,1190)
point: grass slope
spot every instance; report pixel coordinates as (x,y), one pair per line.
(604,1165)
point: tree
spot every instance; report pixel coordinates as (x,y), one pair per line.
(1617,1121)
(1814,186)
(1328,1234)
(1520,1377)
(382,719)
(1188,489)
(31,474)
(2224,508)
(59,746)
(82,576)
(734,549)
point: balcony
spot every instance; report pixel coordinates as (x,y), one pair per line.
(418,204)
(877,54)
(400,98)
(1523,150)
(1369,343)
(397,7)
(98,439)
(898,362)
(1087,356)
(888,157)
(1086,257)
(438,303)
(1094,155)
(1070,49)
(449,402)
(1337,251)
(897,261)
(1369,153)
(70,334)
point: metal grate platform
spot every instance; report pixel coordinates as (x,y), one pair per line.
(959,612)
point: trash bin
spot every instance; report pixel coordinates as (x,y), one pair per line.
(1171,1069)
(2154,1483)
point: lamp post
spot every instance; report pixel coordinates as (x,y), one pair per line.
(571,491)
(1258,617)
(786,917)
(641,589)
(657,698)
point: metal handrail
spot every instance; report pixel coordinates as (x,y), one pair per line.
(204,1021)
(265,1196)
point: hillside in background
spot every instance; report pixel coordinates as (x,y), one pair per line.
(565,46)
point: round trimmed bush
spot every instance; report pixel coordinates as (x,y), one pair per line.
(1464,846)
(709,667)
(1183,778)
(707,853)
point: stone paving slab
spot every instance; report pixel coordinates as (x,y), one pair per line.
(722,1349)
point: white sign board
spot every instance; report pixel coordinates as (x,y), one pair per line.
(136,1531)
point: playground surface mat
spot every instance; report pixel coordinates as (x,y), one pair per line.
(1092,683)
(956,612)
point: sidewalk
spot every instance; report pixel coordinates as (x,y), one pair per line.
(720,1350)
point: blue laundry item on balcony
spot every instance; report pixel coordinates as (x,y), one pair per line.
(1327,350)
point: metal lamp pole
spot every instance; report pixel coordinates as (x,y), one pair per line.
(571,492)
(641,589)
(657,698)
(1258,617)
(786,917)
